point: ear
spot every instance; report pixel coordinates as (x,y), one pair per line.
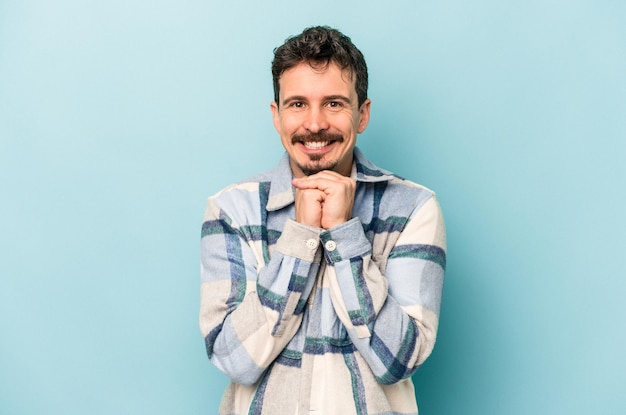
(275,116)
(364,116)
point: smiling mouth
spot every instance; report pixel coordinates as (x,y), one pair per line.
(316,141)
(315,145)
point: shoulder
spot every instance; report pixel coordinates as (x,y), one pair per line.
(246,200)
(391,192)
(238,197)
(409,191)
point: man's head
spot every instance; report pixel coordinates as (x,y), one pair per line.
(319,46)
(320,87)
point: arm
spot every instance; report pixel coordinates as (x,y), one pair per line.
(249,311)
(391,316)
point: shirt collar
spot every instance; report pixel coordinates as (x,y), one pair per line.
(282,192)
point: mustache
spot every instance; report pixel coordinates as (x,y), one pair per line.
(319,136)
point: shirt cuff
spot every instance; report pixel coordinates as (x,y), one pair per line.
(300,241)
(345,241)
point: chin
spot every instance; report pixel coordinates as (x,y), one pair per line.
(309,170)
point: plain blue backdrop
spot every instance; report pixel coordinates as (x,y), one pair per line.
(119,118)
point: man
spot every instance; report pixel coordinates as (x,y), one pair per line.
(321,278)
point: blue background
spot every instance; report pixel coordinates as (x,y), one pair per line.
(119,118)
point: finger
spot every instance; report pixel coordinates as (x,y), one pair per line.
(308,204)
(326,185)
(327,173)
(309,195)
(320,184)
(324,174)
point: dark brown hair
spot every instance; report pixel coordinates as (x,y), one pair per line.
(319,46)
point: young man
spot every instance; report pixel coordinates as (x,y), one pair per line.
(321,278)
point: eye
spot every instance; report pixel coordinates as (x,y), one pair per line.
(297,104)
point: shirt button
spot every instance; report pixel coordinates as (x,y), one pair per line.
(330,245)
(311,243)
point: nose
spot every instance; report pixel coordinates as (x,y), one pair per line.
(316,120)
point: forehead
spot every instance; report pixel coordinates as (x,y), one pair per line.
(311,77)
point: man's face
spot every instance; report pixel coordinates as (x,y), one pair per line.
(318,118)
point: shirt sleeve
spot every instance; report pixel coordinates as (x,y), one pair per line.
(391,310)
(250,309)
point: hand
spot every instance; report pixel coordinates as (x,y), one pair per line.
(309,207)
(324,199)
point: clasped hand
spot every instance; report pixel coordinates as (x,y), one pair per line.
(324,199)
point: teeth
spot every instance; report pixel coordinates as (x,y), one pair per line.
(316,144)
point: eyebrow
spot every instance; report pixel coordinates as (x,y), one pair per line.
(293,98)
(326,98)
(338,98)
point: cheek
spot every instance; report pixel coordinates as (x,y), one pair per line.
(349,123)
(289,124)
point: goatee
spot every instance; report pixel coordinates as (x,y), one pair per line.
(315,166)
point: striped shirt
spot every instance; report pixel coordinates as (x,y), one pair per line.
(311,321)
